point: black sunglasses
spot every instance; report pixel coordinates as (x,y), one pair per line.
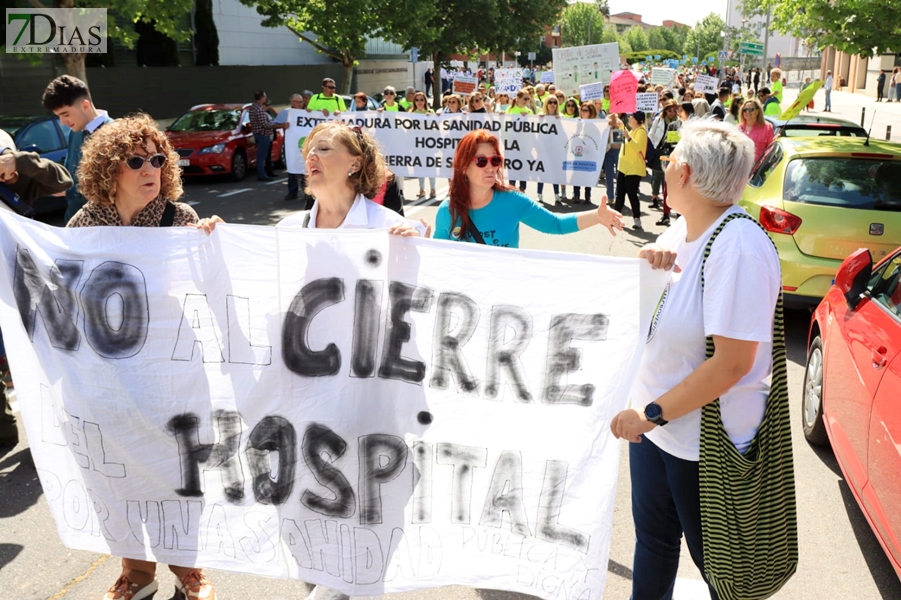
(552,102)
(482,161)
(387,93)
(329,87)
(136,162)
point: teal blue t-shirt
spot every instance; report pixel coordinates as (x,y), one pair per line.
(499,220)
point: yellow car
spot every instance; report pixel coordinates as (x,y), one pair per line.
(822,198)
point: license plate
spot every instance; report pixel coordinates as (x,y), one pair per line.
(184,162)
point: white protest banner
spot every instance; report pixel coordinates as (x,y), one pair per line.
(584,64)
(705,84)
(664,77)
(547,77)
(563,151)
(646,102)
(591,91)
(464,84)
(507,80)
(342,407)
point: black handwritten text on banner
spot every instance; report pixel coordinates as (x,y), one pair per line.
(535,148)
(372,413)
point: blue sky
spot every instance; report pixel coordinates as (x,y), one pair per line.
(655,11)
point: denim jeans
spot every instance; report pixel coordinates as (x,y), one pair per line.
(898,92)
(541,188)
(611,164)
(264,145)
(665,505)
(828,100)
(522,185)
(422,184)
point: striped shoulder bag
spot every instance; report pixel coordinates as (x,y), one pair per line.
(749,517)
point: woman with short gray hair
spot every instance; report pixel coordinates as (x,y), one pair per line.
(725,285)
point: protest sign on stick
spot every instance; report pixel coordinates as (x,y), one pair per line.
(623,87)
(664,77)
(584,64)
(646,102)
(591,91)
(706,84)
(464,84)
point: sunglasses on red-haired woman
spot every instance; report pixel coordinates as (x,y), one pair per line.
(482,161)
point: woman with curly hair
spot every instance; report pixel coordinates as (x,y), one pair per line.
(130,176)
(481,208)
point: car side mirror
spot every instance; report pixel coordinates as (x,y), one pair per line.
(31,148)
(853,276)
(245,128)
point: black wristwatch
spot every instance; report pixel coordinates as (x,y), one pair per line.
(654,414)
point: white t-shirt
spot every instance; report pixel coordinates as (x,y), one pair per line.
(363,214)
(742,283)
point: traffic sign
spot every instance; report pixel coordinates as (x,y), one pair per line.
(751,48)
(414,55)
(531,56)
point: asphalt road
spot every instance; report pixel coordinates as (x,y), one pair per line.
(840,557)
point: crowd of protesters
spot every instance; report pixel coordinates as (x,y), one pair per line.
(124,173)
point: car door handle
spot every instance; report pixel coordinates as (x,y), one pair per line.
(879,359)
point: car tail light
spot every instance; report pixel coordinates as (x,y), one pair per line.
(777,220)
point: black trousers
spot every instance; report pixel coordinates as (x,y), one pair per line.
(627,184)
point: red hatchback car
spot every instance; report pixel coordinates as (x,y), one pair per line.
(852,388)
(215,139)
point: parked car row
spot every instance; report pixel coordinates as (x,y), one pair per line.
(215,139)
(830,199)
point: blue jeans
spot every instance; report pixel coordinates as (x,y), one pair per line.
(898,92)
(541,188)
(422,184)
(665,504)
(522,185)
(828,100)
(264,145)
(611,165)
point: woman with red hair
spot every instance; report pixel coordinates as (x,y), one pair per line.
(482,208)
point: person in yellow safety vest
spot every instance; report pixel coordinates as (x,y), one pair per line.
(389,104)
(521,104)
(541,94)
(327,101)
(407,101)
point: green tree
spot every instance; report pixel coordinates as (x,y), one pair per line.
(337,28)
(581,24)
(864,27)
(657,38)
(464,26)
(637,38)
(705,37)
(164,16)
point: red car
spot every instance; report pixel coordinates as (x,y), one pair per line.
(852,388)
(215,139)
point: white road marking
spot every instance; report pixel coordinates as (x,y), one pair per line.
(234,193)
(192,202)
(277,181)
(418,205)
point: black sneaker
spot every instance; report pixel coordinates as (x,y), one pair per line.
(663,222)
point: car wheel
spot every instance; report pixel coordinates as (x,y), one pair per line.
(239,166)
(812,402)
